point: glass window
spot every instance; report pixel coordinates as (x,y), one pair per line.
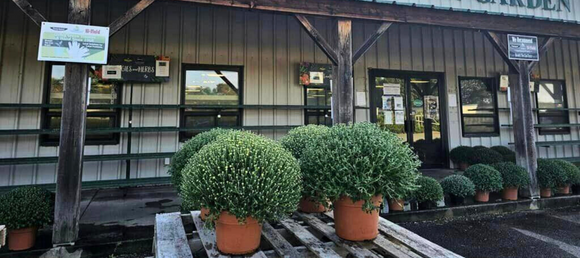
(551,106)
(101,93)
(478,107)
(212,97)
(318,97)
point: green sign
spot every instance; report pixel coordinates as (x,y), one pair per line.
(418,103)
(63,42)
(547,5)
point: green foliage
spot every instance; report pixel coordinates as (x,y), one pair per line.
(190,148)
(572,171)
(429,190)
(508,154)
(479,147)
(244,174)
(512,174)
(297,139)
(485,156)
(461,154)
(550,173)
(359,161)
(458,185)
(484,177)
(26,207)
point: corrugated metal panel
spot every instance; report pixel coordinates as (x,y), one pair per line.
(270,47)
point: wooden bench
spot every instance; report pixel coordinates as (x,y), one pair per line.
(301,235)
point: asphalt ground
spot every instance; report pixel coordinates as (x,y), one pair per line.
(551,233)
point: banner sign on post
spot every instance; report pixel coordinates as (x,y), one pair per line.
(136,68)
(523,48)
(75,43)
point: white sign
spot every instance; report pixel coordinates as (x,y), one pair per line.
(452,100)
(388,117)
(112,72)
(398,100)
(75,43)
(523,48)
(399,117)
(361,98)
(391,89)
(387,103)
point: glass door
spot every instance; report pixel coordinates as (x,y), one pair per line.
(409,106)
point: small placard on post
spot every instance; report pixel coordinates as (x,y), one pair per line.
(523,48)
(74,43)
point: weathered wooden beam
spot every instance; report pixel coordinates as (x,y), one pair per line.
(502,49)
(318,38)
(120,22)
(543,49)
(72,139)
(370,41)
(370,10)
(342,97)
(30,11)
(523,125)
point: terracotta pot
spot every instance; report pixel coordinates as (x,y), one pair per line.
(564,189)
(427,205)
(456,200)
(308,205)
(235,238)
(203,212)
(510,194)
(22,239)
(396,205)
(546,192)
(463,166)
(352,222)
(481,196)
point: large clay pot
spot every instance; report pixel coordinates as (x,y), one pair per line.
(235,238)
(463,166)
(546,192)
(510,194)
(564,189)
(22,239)
(396,205)
(308,205)
(481,196)
(203,212)
(352,222)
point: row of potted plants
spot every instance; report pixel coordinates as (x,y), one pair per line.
(242,179)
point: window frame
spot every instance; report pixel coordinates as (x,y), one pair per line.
(548,130)
(308,112)
(46,114)
(495,115)
(183,114)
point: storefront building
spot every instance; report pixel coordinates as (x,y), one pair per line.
(241,67)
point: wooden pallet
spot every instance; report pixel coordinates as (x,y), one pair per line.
(302,235)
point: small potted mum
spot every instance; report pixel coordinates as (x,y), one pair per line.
(572,172)
(23,211)
(550,175)
(508,154)
(243,179)
(355,166)
(457,187)
(296,141)
(486,179)
(429,193)
(513,177)
(460,156)
(485,156)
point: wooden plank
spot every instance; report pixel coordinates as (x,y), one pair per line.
(370,41)
(542,50)
(207,237)
(318,38)
(30,11)
(72,139)
(280,245)
(307,239)
(352,247)
(370,10)
(170,239)
(120,22)
(502,49)
(343,101)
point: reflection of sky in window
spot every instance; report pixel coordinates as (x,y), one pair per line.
(544,95)
(58,72)
(209,79)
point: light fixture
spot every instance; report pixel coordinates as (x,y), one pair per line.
(418,82)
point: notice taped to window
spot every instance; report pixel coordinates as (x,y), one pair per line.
(63,42)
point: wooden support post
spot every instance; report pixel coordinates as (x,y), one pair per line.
(370,41)
(120,22)
(318,38)
(342,92)
(72,139)
(32,13)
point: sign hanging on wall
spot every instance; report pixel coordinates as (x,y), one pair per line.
(63,42)
(523,48)
(137,68)
(315,74)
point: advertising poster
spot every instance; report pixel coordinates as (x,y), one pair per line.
(398,100)
(315,74)
(523,48)
(387,103)
(391,89)
(399,117)
(388,117)
(63,42)
(431,107)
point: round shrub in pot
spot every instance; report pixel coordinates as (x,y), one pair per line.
(508,154)
(485,156)
(355,166)
(457,187)
(479,147)
(461,156)
(486,179)
(296,141)
(23,210)
(242,179)
(429,193)
(572,172)
(550,175)
(513,177)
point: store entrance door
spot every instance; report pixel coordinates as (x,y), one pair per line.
(410,105)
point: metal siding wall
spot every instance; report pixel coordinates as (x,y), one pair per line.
(269,47)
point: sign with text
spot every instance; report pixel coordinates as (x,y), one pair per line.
(523,48)
(75,43)
(138,68)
